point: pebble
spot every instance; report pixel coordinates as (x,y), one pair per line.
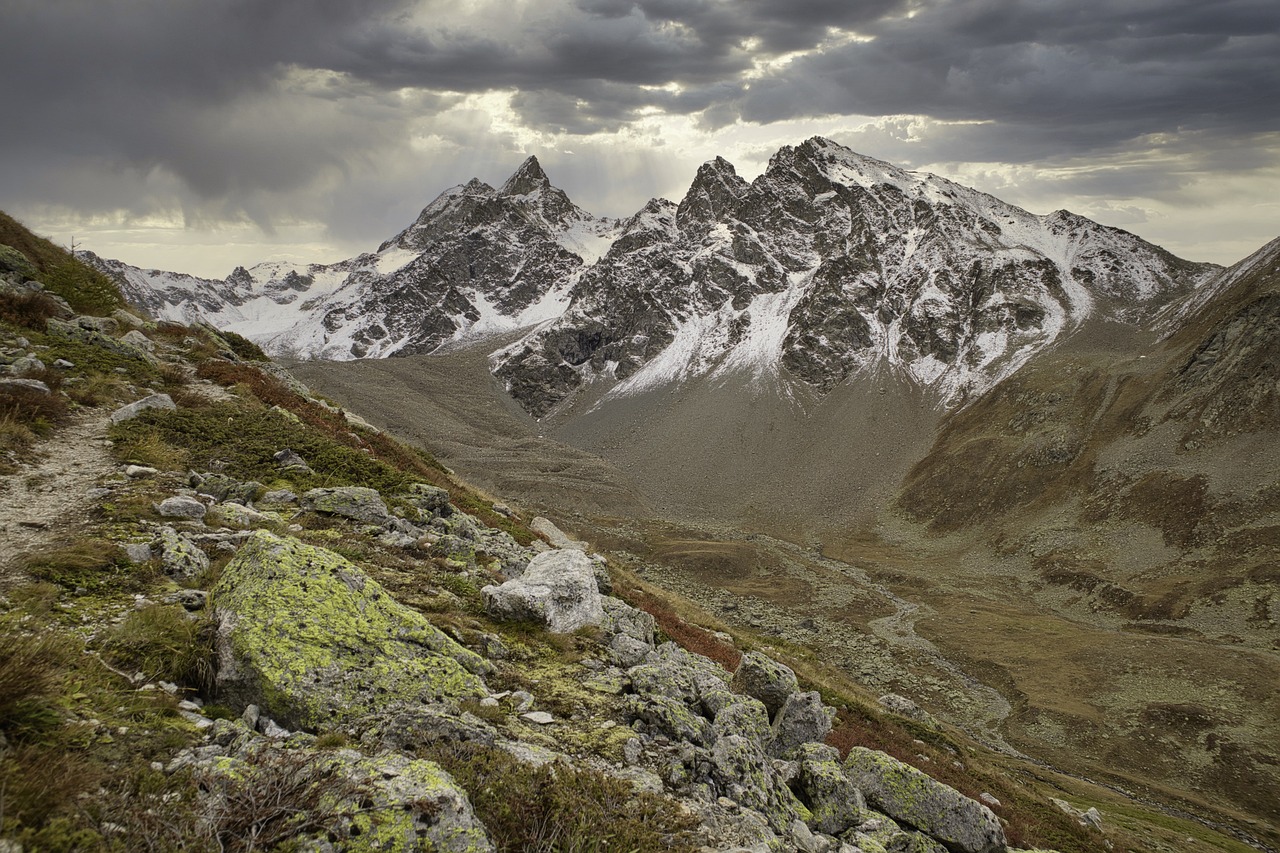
(540,718)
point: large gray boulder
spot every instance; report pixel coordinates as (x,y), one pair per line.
(765,679)
(802,719)
(557,589)
(835,803)
(180,557)
(131,411)
(316,643)
(355,502)
(907,795)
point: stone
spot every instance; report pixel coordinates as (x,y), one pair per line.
(220,487)
(137,552)
(557,537)
(25,385)
(906,794)
(765,679)
(317,643)
(355,502)
(102,325)
(835,803)
(11,260)
(802,719)
(557,589)
(989,799)
(743,716)
(290,461)
(181,506)
(541,718)
(131,411)
(279,496)
(413,728)
(136,338)
(430,501)
(63,364)
(180,557)
(137,472)
(904,707)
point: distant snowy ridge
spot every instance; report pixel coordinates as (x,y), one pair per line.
(827,266)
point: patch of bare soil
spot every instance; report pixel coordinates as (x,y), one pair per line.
(45,499)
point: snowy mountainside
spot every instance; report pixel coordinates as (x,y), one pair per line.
(827,266)
(476,261)
(831,264)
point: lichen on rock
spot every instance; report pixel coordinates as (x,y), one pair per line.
(313,640)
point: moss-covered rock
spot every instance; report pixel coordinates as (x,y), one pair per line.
(315,642)
(11,260)
(741,771)
(355,502)
(910,796)
(835,802)
(767,680)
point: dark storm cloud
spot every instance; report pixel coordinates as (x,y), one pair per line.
(234,99)
(1070,74)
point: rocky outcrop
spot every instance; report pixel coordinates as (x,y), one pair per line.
(558,589)
(317,643)
(909,796)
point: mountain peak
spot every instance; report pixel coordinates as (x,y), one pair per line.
(529,178)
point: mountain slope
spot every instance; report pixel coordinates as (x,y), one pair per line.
(831,264)
(827,266)
(476,261)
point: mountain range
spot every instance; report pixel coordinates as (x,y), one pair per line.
(828,265)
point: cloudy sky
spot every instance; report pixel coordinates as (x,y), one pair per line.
(200,134)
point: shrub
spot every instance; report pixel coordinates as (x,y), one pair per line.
(163,642)
(561,808)
(28,310)
(242,346)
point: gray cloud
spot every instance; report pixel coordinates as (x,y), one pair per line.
(275,109)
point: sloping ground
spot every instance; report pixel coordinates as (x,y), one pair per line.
(1130,498)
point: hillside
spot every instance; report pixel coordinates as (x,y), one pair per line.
(242,619)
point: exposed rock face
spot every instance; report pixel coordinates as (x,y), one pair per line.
(907,795)
(354,502)
(765,679)
(477,260)
(315,642)
(828,265)
(558,589)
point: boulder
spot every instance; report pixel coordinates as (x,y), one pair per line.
(131,411)
(670,718)
(739,770)
(180,557)
(291,461)
(25,385)
(765,679)
(557,537)
(355,502)
(220,487)
(135,338)
(557,589)
(802,719)
(315,642)
(11,260)
(182,506)
(834,802)
(906,794)
(745,717)
(430,501)
(904,707)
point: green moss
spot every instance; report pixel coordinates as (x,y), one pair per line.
(320,642)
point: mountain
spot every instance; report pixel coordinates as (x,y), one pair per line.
(828,265)
(831,264)
(476,261)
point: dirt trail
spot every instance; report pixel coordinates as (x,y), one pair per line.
(43,500)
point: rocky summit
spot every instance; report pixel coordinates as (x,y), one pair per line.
(829,264)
